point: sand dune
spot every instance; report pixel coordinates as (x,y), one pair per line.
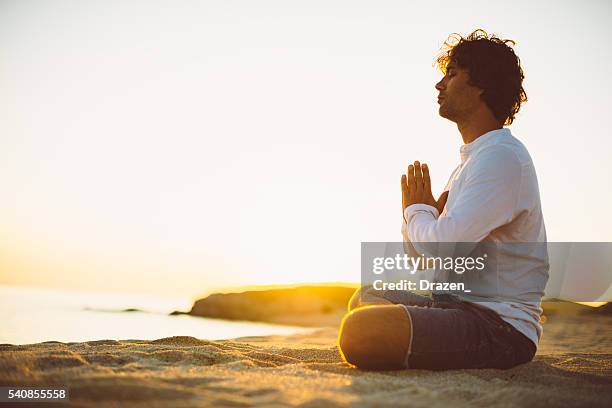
(573,368)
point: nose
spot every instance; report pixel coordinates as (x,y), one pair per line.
(440,85)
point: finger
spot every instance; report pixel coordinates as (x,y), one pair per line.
(411,181)
(418,175)
(404,183)
(404,191)
(426,179)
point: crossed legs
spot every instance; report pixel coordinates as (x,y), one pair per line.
(375,334)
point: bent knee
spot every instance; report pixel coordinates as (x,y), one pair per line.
(369,337)
(349,338)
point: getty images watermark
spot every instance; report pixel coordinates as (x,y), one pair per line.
(520,272)
(411,264)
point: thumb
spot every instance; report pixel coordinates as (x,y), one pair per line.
(441,201)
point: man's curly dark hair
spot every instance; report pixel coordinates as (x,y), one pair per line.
(492,66)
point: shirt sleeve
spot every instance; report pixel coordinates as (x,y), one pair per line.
(486,200)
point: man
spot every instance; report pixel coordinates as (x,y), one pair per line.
(491,197)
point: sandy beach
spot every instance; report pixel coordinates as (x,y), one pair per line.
(573,368)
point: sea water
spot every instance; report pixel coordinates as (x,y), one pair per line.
(33,315)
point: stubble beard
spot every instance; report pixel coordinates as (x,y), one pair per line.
(452,112)
(446,112)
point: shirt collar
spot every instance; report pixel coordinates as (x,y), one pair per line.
(486,139)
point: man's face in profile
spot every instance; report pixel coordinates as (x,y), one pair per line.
(457,98)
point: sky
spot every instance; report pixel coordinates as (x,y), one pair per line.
(184,147)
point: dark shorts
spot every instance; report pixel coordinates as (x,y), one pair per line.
(447,334)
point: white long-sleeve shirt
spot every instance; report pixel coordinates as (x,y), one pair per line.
(493,198)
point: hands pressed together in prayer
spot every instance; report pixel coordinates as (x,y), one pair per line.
(416,188)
